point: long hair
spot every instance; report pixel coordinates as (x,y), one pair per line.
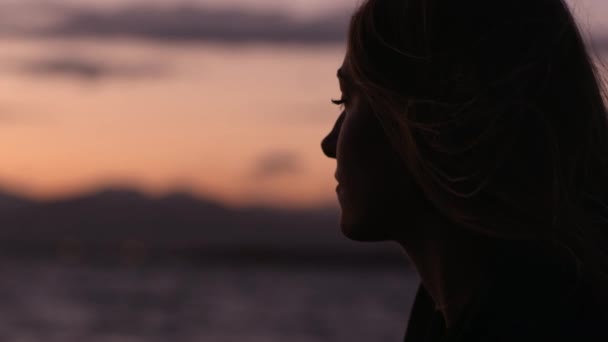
(498,112)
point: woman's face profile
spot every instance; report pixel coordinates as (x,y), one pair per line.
(375,192)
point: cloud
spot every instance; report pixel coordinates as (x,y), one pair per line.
(6,118)
(87,69)
(600,43)
(190,23)
(277,164)
(20,114)
(196,23)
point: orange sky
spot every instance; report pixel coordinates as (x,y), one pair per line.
(204,123)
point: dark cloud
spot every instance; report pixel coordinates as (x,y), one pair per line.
(600,43)
(196,23)
(277,164)
(87,69)
(181,23)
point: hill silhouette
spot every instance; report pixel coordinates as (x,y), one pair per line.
(110,219)
(10,201)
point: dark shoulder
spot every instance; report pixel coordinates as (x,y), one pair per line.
(542,294)
(536,294)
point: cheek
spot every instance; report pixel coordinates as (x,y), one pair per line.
(366,160)
(380,206)
(363,150)
(377,190)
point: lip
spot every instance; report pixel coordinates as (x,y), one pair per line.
(338,187)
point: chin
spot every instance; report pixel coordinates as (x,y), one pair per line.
(364,230)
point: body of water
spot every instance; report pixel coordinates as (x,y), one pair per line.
(57,301)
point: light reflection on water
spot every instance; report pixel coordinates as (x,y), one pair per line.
(52,301)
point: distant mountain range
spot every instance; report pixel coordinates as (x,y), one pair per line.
(110,219)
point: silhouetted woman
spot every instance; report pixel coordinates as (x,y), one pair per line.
(474,133)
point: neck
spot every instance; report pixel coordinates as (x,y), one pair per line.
(452,268)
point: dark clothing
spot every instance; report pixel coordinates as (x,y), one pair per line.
(547,297)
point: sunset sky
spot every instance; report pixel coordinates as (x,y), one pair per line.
(231,106)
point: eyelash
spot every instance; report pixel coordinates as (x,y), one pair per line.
(341,102)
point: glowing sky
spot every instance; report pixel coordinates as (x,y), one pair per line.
(238,123)
(211,122)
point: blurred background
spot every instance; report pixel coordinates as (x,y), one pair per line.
(161,175)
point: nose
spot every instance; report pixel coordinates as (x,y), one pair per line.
(330,142)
